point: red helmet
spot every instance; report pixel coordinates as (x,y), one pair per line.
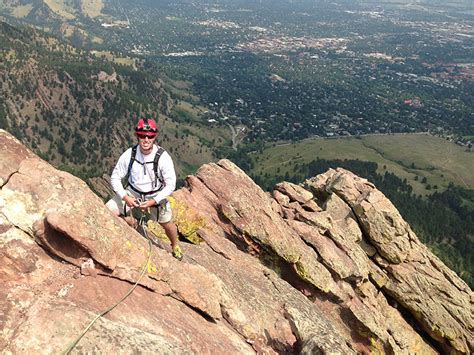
(146,126)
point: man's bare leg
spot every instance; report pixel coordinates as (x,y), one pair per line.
(171,232)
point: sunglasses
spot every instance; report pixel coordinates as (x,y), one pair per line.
(142,136)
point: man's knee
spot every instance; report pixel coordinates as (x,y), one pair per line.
(166,224)
(171,231)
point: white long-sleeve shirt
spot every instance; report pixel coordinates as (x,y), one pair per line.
(142,177)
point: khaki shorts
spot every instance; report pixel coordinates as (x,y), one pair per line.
(161,213)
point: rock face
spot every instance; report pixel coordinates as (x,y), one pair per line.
(326,267)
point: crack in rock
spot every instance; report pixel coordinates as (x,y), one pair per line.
(8,178)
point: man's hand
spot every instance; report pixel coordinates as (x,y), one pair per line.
(130,201)
(147,204)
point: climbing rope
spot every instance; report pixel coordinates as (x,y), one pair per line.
(142,224)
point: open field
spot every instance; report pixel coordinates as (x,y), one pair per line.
(97,40)
(191,144)
(181,84)
(92,8)
(110,57)
(180,89)
(60,8)
(190,111)
(405,155)
(22,11)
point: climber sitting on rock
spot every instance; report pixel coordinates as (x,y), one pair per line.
(150,178)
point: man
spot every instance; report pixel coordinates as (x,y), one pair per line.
(149,182)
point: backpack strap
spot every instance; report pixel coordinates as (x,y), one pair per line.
(158,176)
(156,160)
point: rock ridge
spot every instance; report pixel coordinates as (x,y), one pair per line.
(322,267)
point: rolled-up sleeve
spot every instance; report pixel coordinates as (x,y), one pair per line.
(119,172)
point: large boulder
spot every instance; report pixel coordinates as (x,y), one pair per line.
(433,295)
(329,266)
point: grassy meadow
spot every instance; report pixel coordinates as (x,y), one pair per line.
(410,156)
(92,8)
(22,10)
(112,58)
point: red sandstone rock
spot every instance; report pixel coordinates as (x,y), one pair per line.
(267,278)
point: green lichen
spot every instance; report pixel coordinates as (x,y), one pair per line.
(435,328)
(306,276)
(375,346)
(292,258)
(301,271)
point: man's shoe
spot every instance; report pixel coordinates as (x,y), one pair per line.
(177,253)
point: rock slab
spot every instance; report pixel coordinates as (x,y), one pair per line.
(326,266)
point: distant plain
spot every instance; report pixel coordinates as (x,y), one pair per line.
(406,155)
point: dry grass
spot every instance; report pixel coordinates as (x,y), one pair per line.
(125,61)
(180,84)
(97,40)
(22,11)
(440,161)
(58,7)
(92,8)
(110,57)
(193,110)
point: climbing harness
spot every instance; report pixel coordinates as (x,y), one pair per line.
(142,225)
(158,177)
(142,214)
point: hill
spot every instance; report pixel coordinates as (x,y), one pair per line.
(51,9)
(68,19)
(77,108)
(326,267)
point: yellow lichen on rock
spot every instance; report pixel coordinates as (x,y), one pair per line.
(187,221)
(19,209)
(155,228)
(292,258)
(376,347)
(151,267)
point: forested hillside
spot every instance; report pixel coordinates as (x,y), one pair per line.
(66,19)
(69,106)
(77,110)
